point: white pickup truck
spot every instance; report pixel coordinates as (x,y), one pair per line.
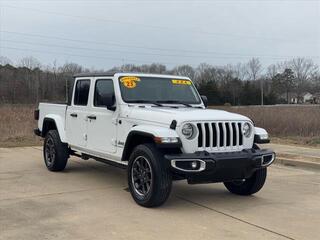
(157,127)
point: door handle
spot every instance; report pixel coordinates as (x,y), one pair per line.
(74,115)
(92,117)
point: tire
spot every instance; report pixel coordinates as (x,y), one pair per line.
(149,185)
(55,153)
(250,185)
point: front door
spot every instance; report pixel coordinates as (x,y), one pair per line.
(101,121)
(76,115)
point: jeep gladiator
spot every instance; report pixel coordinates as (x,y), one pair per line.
(159,129)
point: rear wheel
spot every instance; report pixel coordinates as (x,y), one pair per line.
(149,178)
(250,185)
(55,153)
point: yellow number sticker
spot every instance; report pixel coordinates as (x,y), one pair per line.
(129,81)
(181,82)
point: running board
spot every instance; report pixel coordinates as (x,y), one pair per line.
(106,161)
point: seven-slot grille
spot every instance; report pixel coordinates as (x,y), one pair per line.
(219,135)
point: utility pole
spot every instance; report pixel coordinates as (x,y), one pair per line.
(261,86)
(67,90)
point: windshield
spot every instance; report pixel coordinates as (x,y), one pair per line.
(159,90)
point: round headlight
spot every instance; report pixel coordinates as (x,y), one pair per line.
(188,130)
(246,129)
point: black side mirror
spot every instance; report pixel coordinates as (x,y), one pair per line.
(204,100)
(109,101)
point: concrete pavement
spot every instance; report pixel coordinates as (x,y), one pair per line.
(313,153)
(298,156)
(89,200)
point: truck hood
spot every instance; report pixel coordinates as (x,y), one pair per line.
(165,115)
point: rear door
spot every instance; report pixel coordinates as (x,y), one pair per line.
(102,125)
(76,118)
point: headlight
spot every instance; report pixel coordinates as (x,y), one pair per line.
(246,129)
(188,130)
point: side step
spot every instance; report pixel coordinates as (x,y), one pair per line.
(106,161)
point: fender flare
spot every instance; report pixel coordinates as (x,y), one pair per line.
(155,131)
(59,122)
(148,132)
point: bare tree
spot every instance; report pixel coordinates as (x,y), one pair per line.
(185,70)
(71,68)
(67,71)
(286,81)
(30,63)
(230,79)
(316,80)
(303,69)
(206,73)
(239,71)
(4,61)
(254,69)
(31,82)
(272,71)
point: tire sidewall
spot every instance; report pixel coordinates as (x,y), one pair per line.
(250,185)
(47,138)
(61,152)
(140,151)
(157,166)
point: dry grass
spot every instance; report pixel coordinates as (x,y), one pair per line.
(309,141)
(16,126)
(289,124)
(286,124)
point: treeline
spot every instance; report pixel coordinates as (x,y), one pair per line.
(241,84)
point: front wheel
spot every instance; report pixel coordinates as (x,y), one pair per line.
(250,185)
(149,178)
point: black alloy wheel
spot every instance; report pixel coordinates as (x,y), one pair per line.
(49,152)
(141,175)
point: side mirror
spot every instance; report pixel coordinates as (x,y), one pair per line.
(109,101)
(204,100)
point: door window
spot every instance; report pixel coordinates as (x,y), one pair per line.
(103,91)
(81,92)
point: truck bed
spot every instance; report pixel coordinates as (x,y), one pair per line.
(47,109)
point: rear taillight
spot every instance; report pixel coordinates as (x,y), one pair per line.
(36,114)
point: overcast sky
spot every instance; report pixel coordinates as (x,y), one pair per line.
(103,34)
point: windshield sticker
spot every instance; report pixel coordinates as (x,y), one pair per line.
(181,82)
(129,81)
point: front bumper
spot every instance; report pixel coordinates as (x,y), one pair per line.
(204,167)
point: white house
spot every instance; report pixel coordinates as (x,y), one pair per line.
(307,97)
(295,98)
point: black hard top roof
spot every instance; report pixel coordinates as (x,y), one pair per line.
(95,74)
(112,73)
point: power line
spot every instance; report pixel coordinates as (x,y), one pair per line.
(144,47)
(78,55)
(151,26)
(159,1)
(96,42)
(138,53)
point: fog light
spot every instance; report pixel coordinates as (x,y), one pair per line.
(189,165)
(194,164)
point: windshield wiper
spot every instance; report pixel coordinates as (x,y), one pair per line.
(146,101)
(175,102)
